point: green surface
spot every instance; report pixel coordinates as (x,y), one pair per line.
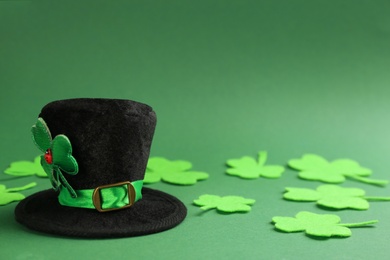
(226,79)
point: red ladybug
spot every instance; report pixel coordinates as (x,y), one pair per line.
(48,156)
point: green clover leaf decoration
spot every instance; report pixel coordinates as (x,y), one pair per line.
(57,155)
(26,168)
(315,167)
(10,195)
(227,204)
(317,225)
(248,168)
(174,172)
(333,196)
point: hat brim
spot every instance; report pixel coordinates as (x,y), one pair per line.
(155,212)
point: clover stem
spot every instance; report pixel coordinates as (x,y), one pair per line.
(360,224)
(67,185)
(377,198)
(25,187)
(262,158)
(369,181)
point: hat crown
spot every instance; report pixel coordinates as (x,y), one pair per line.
(110,138)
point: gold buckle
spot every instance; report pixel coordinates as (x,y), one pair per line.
(97,201)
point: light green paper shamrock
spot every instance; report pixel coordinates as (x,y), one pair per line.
(26,168)
(10,195)
(57,155)
(227,204)
(333,196)
(318,225)
(174,172)
(248,168)
(315,167)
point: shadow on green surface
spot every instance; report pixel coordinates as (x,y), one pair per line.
(9,178)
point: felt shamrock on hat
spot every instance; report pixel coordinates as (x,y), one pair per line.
(57,155)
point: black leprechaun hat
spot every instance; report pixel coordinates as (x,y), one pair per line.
(95,153)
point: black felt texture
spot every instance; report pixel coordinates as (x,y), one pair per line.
(156,212)
(111,141)
(110,138)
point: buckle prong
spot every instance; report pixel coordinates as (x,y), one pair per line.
(97,201)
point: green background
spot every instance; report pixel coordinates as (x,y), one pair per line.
(226,79)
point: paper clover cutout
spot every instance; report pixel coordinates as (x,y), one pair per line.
(10,195)
(174,172)
(26,168)
(333,196)
(315,167)
(228,204)
(57,155)
(317,225)
(248,168)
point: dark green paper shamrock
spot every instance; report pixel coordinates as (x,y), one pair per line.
(26,168)
(248,168)
(10,195)
(57,155)
(174,172)
(227,204)
(318,225)
(333,196)
(315,167)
